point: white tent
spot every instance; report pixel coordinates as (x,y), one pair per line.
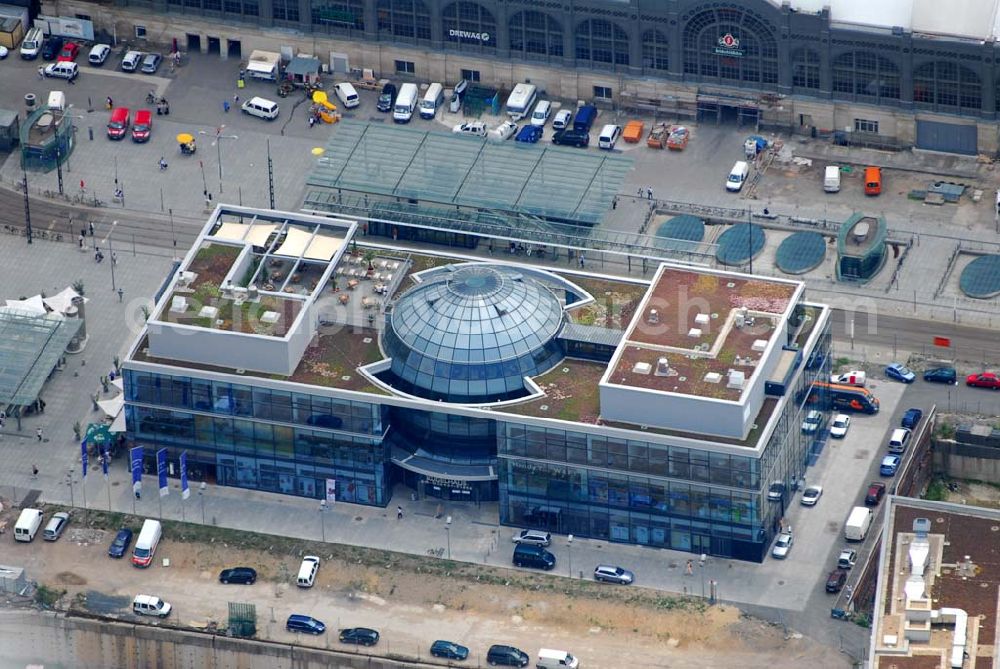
(118,424)
(62,301)
(32,305)
(112,407)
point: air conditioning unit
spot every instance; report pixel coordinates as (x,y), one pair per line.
(737,379)
(654,317)
(662,367)
(642,368)
(185,278)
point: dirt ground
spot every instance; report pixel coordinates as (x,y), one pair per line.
(411,600)
(976,494)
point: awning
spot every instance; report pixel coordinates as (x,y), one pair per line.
(323,248)
(295,243)
(32,305)
(118,425)
(98,434)
(113,406)
(119,383)
(61,302)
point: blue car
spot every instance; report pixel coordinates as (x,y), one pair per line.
(529,133)
(121,543)
(449,650)
(890,464)
(911,418)
(300,623)
(900,372)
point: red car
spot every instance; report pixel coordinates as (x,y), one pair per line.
(69,52)
(876,490)
(984,380)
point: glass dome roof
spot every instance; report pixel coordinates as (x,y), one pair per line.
(471,335)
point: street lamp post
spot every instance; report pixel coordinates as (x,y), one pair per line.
(701,563)
(111,252)
(447,533)
(27,205)
(201,494)
(69,482)
(218,147)
(569,547)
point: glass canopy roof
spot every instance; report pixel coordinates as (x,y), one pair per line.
(30,348)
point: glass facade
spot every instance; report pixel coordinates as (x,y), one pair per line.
(730,45)
(261,439)
(633,491)
(534,33)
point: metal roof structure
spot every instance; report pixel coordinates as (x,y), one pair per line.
(30,348)
(553,183)
(591,334)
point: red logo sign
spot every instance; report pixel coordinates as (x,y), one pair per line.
(729,42)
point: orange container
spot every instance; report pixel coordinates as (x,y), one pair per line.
(633,131)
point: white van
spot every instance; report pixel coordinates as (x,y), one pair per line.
(521,100)
(541,114)
(347,95)
(27,525)
(831,179)
(556,659)
(145,545)
(261,108)
(406,102)
(737,176)
(433,98)
(609,136)
(32,44)
(307,571)
(63,69)
(148,605)
(98,54)
(131,61)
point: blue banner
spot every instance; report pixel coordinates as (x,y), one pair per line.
(161,471)
(185,491)
(135,458)
(83,457)
(104,464)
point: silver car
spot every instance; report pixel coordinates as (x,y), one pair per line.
(782,545)
(612,574)
(533,537)
(151,63)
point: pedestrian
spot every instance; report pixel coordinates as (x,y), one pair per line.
(90,227)
(649,192)
(689,569)
(41,72)
(236,100)
(138,495)
(225,106)
(399,513)
(639,192)
(312,120)
(163,164)
(614,202)
(34,471)
(583,261)
(109,102)
(38,433)
(121,295)
(114,258)
(41,405)
(81,241)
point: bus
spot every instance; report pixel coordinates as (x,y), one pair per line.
(843,398)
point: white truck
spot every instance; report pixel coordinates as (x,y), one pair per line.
(406,103)
(858,523)
(264,65)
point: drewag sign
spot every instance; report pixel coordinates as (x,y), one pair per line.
(465,34)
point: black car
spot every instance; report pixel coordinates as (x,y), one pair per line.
(941,375)
(51,47)
(244,575)
(507,656)
(120,545)
(449,650)
(361,636)
(387,98)
(578,138)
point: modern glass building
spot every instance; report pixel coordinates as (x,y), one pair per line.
(892,73)
(286,356)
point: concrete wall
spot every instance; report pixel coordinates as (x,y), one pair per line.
(960,459)
(54,639)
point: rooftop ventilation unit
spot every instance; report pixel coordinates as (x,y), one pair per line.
(741,318)
(702,319)
(642,368)
(759,345)
(654,317)
(185,278)
(921,527)
(713,377)
(662,367)
(737,379)
(694,333)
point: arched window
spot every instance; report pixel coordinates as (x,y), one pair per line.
(866,76)
(655,54)
(946,84)
(601,41)
(334,16)
(805,69)
(469,24)
(404,18)
(534,32)
(730,44)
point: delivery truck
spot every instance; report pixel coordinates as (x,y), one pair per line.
(858,523)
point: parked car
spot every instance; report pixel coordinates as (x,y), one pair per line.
(570,137)
(847,558)
(782,545)
(120,545)
(776,492)
(811,495)
(562,119)
(984,380)
(507,656)
(835,581)
(530,134)
(69,52)
(131,61)
(68,71)
(504,131)
(245,575)
(98,54)
(56,525)
(852,378)
(301,623)
(838,428)
(612,574)
(359,636)
(475,128)
(899,440)
(449,650)
(51,47)
(532,537)
(876,491)
(387,98)
(912,418)
(3,52)
(889,466)
(151,63)
(812,423)
(900,372)
(941,375)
